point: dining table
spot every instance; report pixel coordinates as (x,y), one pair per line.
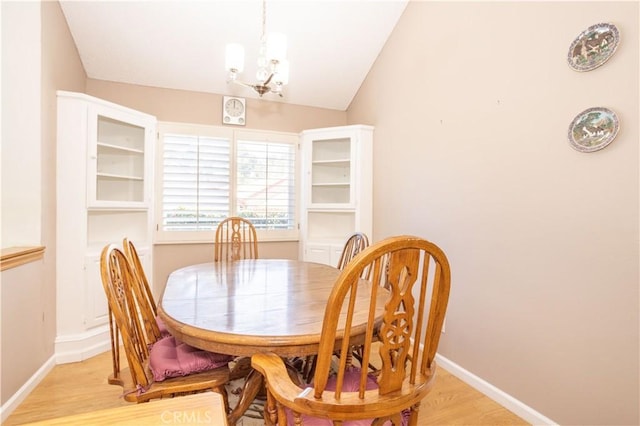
(249,306)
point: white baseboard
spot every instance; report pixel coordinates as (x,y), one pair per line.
(72,348)
(517,407)
(17,398)
(78,347)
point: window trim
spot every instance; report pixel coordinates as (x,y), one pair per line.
(198,237)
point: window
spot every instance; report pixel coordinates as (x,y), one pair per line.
(208,173)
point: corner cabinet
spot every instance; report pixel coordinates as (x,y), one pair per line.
(104,188)
(337,190)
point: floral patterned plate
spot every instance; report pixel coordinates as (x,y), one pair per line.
(593,47)
(593,129)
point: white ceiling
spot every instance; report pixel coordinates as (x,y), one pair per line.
(180,44)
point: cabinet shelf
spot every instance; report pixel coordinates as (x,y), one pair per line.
(339,162)
(339,184)
(327,174)
(117,132)
(116,207)
(122,177)
(119,163)
(328,209)
(119,148)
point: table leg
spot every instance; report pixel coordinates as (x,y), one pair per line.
(252,385)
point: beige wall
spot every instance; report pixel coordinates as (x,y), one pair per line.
(206,108)
(471,103)
(29,292)
(20,224)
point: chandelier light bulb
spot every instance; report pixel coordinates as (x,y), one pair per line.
(262,75)
(276,47)
(234,58)
(281,76)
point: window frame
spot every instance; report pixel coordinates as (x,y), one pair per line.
(234,135)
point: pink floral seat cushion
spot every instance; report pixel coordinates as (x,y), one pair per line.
(351,384)
(171,358)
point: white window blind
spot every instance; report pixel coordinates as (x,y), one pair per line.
(208,173)
(195,187)
(266,184)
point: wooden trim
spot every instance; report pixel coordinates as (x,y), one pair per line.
(13,257)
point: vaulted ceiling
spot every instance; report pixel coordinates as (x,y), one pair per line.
(180,44)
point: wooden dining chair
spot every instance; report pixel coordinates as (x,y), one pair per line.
(132,256)
(165,367)
(235,239)
(354,245)
(357,242)
(155,330)
(402,339)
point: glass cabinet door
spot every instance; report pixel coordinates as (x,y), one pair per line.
(331,172)
(118,166)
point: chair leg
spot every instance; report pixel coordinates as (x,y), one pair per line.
(357,354)
(395,419)
(114,378)
(222,390)
(297,420)
(413,416)
(270,411)
(309,368)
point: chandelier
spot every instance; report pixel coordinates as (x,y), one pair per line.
(273,67)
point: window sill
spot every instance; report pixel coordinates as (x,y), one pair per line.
(211,241)
(12,257)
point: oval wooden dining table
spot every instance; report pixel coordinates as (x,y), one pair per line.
(249,306)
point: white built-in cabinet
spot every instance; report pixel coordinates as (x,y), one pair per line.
(104,189)
(337,189)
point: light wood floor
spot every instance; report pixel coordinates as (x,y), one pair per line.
(81,387)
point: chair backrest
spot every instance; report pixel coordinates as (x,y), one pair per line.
(131,253)
(354,245)
(235,240)
(118,280)
(414,276)
(143,293)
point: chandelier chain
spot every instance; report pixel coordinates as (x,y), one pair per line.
(264,18)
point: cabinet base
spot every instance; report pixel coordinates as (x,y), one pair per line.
(78,347)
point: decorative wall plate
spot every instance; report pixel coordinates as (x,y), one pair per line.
(593,47)
(593,129)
